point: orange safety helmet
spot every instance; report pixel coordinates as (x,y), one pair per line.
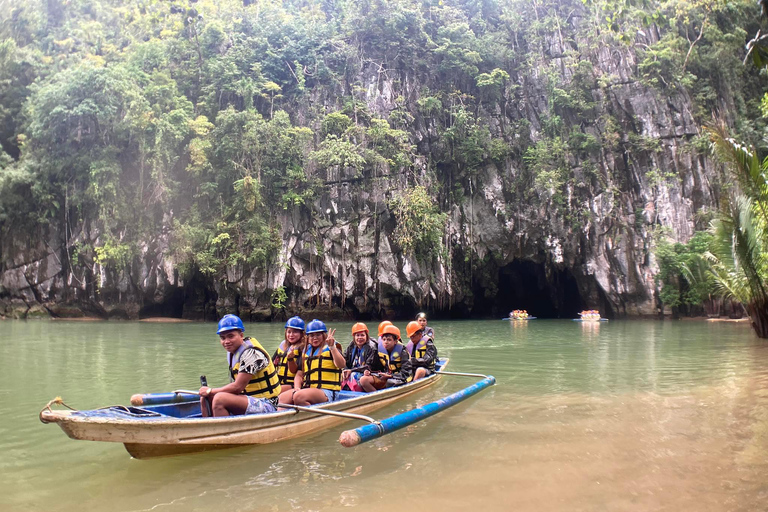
(359,326)
(391,329)
(412,328)
(382,325)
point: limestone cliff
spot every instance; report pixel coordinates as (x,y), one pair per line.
(508,243)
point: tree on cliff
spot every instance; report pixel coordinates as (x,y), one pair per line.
(197,127)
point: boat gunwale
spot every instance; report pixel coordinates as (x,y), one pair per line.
(249,421)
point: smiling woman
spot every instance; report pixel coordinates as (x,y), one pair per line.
(320,368)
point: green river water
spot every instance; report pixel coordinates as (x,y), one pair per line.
(624,415)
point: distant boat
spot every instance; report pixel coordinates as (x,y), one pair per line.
(519,314)
(590,315)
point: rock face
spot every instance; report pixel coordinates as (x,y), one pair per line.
(505,246)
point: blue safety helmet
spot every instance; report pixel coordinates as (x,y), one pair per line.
(230,322)
(295,323)
(316,326)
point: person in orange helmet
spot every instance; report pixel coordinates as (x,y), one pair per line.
(382,325)
(422,355)
(391,356)
(359,357)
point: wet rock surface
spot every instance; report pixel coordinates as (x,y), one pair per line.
(505,247)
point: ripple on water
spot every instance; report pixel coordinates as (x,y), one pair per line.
(623,416)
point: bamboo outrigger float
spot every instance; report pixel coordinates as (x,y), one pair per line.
(171,424)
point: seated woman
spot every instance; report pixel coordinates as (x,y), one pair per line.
(422,319)
(358,356)
(391,356)
(287,354)
(253,386)
(318,379)
(422,354)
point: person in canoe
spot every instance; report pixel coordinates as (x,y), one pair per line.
(428,331)
(391,355)
(318,379)
(358,356)
(382,325)
(422,355)
(287,354)
(254,385)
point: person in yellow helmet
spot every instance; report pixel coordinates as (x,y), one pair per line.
(359,357)
(391,356)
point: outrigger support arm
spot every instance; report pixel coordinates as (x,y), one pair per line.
(365,433)
(463,374)
(329,413)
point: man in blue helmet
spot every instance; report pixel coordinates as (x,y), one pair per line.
(254,385)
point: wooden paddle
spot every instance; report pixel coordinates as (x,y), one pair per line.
(204,382)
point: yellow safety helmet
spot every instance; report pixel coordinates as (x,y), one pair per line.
(391,329)
(359,326)
(412,328)
(382,325)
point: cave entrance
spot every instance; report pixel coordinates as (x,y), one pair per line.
(527,285)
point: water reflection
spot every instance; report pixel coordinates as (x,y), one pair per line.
(619,416)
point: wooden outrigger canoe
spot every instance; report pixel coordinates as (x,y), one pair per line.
(175,428)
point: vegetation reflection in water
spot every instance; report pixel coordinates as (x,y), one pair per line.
(640,415)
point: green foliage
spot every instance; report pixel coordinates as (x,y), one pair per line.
(209,118)
(420,224)
(492,84)
(114,254)
(429,105)
(548,164)
(739,252)
(335,124)
(279,297)
(683,271)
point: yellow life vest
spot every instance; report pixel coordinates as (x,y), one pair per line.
(284,374)
(319,369)
(391,361)
(265,383)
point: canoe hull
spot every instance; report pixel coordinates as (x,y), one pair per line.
(161,437)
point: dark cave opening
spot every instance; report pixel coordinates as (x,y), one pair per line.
(527,285)
(172,307)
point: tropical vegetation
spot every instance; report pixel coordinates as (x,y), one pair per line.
(206,119)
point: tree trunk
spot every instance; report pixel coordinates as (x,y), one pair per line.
(758,314)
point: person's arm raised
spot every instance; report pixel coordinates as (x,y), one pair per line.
(338,357)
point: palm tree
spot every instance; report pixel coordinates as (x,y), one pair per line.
(739,251)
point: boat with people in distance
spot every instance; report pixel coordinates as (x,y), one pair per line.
(165,424)
(519,314)
(590,315)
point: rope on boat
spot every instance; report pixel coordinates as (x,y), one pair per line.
(47,407)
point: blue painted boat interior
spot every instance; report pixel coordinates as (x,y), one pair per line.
(190,409)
